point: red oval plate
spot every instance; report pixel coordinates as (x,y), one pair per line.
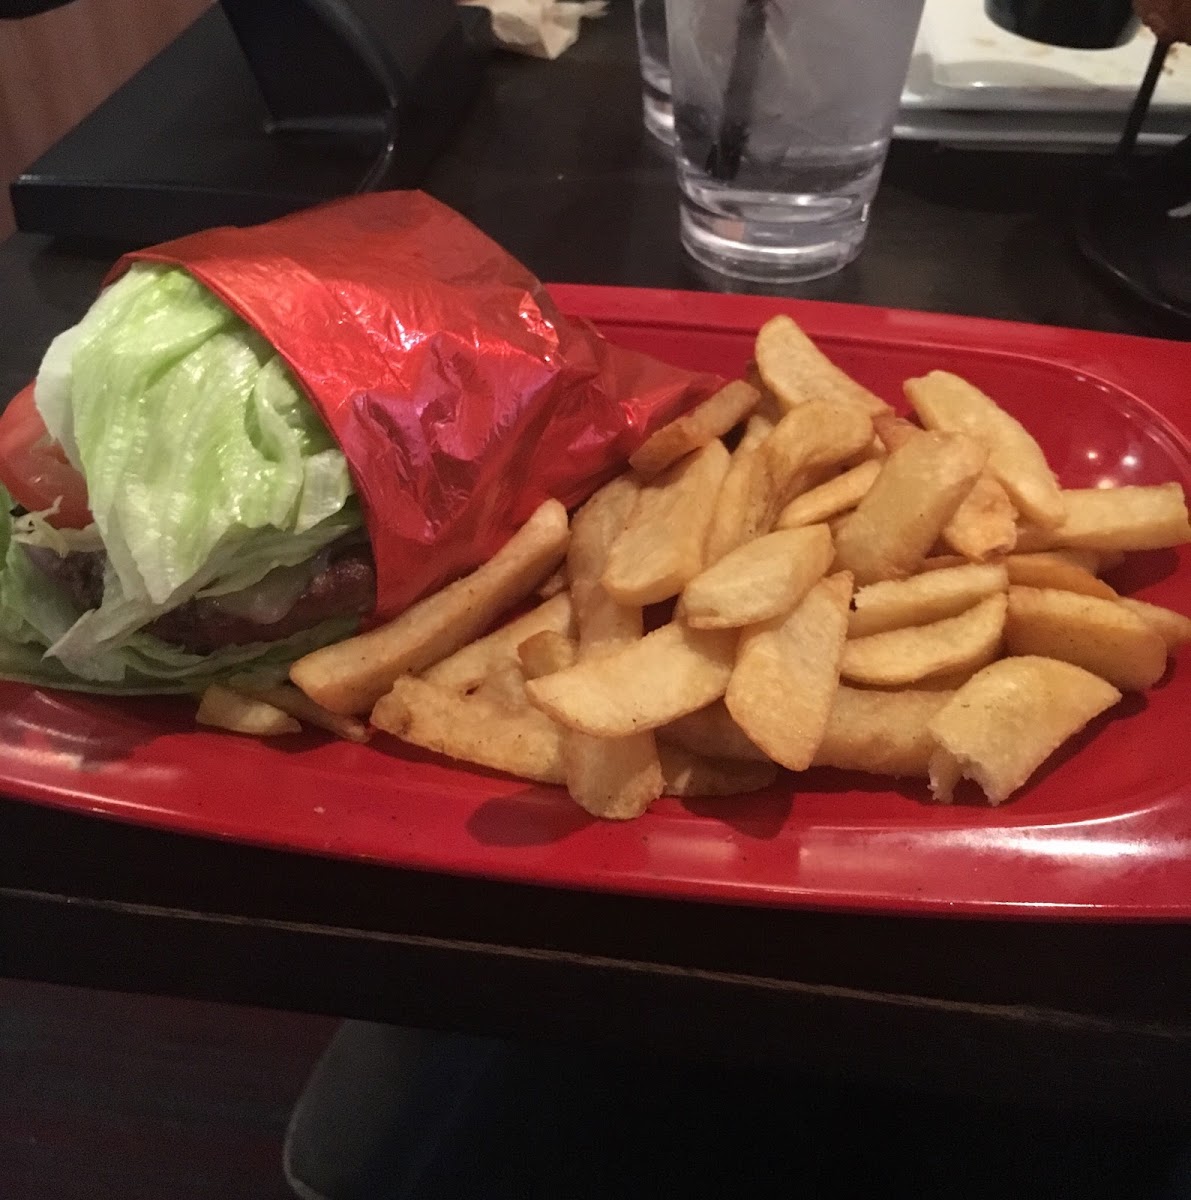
(1103,832)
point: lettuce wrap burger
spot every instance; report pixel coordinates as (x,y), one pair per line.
(257,439)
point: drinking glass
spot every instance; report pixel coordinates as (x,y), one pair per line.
(655,68)
(783,111)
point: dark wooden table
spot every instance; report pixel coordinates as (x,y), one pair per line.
(554,163)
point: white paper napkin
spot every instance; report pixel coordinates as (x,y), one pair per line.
(542,28)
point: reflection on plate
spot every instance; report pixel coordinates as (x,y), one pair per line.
(1101,833)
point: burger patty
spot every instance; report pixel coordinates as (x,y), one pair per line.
(346,586)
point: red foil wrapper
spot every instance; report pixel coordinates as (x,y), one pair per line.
(461,396)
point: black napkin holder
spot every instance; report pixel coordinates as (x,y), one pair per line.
(260,108)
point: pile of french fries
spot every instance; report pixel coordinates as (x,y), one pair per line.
(790,575)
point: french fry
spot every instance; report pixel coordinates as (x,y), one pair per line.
(920,486)
(985,524)
(545,652)
(615,779)
(757,428)
(957,536)
(1124,518)
(472,729)
(1172,627)
(883,733)
(668,673)
(743,509)
(946,402)
(1087,560)
(350,676)
(593,530)
(946,592)
(893,431)
(689,774)
(947,681)
(704,423)
(1102,561)
(811,436)
(294,701)
(223,708)
(787,672)
(554,585)
(873,452)
(768,408)
(504,686)
(1008,720)
(1055,571)
(1102,636)
(795,370)
(470,665)
(762,579)
(830,499)
(712,732)
(942,562)
(902,656)
(612,778)
(660,549)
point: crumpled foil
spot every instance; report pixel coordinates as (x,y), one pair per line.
(460,395)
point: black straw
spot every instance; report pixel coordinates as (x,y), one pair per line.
(1141,102)
(723,160)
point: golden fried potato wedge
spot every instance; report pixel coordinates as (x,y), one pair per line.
(712,732)
(611,778)
(985,524)
(902,656)
(470,665)
(830,499)
(946,592)
(920,486)
(545,652)
(1124,518)
(615,779)
(744,509)
(942,562)
(504,686)
(946,402)
(689,774)
(593,530)
(814,435)
(707,421)
(223,708)
(472,729)
(350,676)
(1172,627)
(882,733)
(668,673)
(1008,719)
(787,672)
(795,370)
(763,578)
(294,701)
(554,585)
(756,429)
(1102,636)
(660,549)
(768,407)
(1055,571)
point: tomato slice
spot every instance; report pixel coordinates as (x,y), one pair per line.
(34,469)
